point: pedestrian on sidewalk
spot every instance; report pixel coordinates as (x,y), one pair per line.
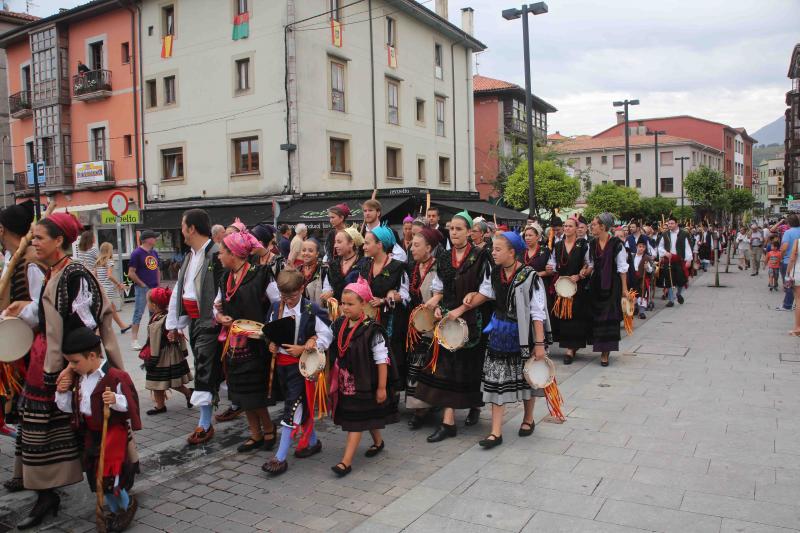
(772,262)
(793,283)
(787,242)
(756,247)
(743,248)
(145,272)
(104,270)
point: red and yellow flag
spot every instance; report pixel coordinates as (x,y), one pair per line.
(166,46)
(392,57)
(336,33)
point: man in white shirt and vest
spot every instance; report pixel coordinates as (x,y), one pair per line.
(675,254)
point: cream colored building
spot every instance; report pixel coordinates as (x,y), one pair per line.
(291,109)
(603,160)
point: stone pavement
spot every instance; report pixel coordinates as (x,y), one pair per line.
(690,428)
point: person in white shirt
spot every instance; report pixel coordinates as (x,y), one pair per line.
(675,254)
(372,219)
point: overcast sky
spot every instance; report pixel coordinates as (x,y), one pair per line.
(724,60)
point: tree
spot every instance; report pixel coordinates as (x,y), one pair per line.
(554,188)
(509,162)
(739,200)
(653,208)
(705,187)
(623,202)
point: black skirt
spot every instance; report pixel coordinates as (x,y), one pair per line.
(247,373)
(457,380)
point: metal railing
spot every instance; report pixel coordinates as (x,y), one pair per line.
(19,102)
(91,82)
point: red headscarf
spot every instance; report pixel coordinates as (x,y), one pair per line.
(68,224)
(430,235)
(160,296)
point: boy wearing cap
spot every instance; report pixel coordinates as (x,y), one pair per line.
(84,388)
(143,270)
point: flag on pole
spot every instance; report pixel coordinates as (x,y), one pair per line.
(392,57)
(336,33)
(241,26)
(166,46)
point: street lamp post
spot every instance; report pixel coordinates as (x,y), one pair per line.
(682,159)
(512,14)
(625,104)
(656,133)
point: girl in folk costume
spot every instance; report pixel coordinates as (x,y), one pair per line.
(46,444)
(346,267)
(570,258)
(362,376)
(165,362)
(88,385)
(608,284)
(245,360)
(388,281)
(424,288)
(311,331)
(518,326)
(312,270)
(337,216)
(453,379)
(640,268)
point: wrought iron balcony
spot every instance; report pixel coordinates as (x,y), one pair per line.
(92,85)
(94,174)
(19,104)
(58,179)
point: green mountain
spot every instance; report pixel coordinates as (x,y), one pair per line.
(772,133)
(761,153)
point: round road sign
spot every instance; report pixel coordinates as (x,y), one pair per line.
(118,203)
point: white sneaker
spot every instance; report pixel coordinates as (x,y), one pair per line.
(136,346)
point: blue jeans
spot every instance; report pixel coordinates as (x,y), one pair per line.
(788,294)
(140,303)
(671,293)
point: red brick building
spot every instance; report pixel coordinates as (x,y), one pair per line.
(500,127)
(734,142)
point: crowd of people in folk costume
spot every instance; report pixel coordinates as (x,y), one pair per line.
(352,296)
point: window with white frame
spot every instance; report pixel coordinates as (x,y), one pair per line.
(172,164)
(337,86)
(440,117)
(438,58)
(393,101)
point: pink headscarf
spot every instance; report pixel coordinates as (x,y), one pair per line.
(238,224)
(241,244)
(361,288)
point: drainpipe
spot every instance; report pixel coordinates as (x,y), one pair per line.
(455,147)
(372,92)
(470,153)
(290,89)
(136,41)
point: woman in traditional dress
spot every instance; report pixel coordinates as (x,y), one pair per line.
(312,270)
(268,254)
(388,281)
(454,381)
(46,443)
(246,361)
(346,266)
(607,285)
(518,327)
(421,289)
(535,256)
(570,259)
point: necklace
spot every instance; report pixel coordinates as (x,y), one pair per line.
(530,257)
(372,268)
(454,256)
(342,343)
(342,268)
(416,279)
(233,285)
(311,271)
(563,258)
(506,280)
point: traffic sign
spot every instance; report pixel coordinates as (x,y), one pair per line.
(118,203)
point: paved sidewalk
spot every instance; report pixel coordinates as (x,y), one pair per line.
(689,429)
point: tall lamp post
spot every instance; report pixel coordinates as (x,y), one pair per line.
(625,104)
(512,14)
(656,133)
(682,159)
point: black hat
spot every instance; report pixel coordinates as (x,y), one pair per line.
(556,222)
(148,234)
(643,240)
(80,340)
(18,218)
(263,232)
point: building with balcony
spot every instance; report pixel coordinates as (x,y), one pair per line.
(602,160)
(736,144)
(771,178)
(68,112)
(501,127)
(792,142)
(12,106)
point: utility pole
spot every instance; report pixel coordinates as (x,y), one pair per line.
(656,133)
(625,104)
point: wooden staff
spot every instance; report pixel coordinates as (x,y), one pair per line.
(23,247)
(427,202)
(275,355)
(99,516)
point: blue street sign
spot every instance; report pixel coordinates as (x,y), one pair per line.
(40,173)
(29,168)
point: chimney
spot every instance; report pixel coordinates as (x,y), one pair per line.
(468,20)
(620,117)
(441,8)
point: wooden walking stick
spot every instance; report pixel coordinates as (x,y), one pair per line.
(99,516)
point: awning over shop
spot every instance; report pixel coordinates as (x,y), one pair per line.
(169,218)
(487,210)
(314,213)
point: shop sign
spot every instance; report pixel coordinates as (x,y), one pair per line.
(109,218)
(90,172)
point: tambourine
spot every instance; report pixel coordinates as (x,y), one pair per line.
(423,319)
(565,287)
(627,306)
(312,363)
(453,334)
(17,339)
(539,374)
(250,328)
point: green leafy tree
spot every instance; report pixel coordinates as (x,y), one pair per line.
(622,202)
(653,208)
(684,213)
(508,163)
(554,188)
(705,187)
(738,201)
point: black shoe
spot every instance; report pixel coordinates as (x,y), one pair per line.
(568,359)
(416,422)
(48,502)
(606,362)
(680,299)
(189,398)
(642,316)
(123,331)
(754,274)
(274,467)
(14,484)
(526,432)
(341,469)
(309,451)
(473,417)
(374,450)
(445,431)
(670,304)
(490,442)
(249,445)
(156,410)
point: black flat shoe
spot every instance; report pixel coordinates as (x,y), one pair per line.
(270,443)
(374,450)
(48,503)
(125,330)
(473,417)
(680,299)
(157,410)
(309,451)
(14,484)
(416,422)
(444,432)
(189,398)
(670,304)
(341,469)
(606,362)
(526,432)
(642,316)
(568,359)
(249,445)
(273,467)
(489,442)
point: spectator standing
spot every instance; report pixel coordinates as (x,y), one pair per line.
(87,251)
(743,248)
(217,233)
(756,247)
(284,244)
(787,243)
(144,272)
(104,270)
(300,234)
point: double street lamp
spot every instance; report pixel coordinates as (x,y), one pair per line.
(625,104)
(656,133)
(512,14)
(682,159)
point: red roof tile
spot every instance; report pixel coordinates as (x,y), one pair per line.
(482,83)
(21,16)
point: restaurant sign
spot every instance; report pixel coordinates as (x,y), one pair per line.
(90,172)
